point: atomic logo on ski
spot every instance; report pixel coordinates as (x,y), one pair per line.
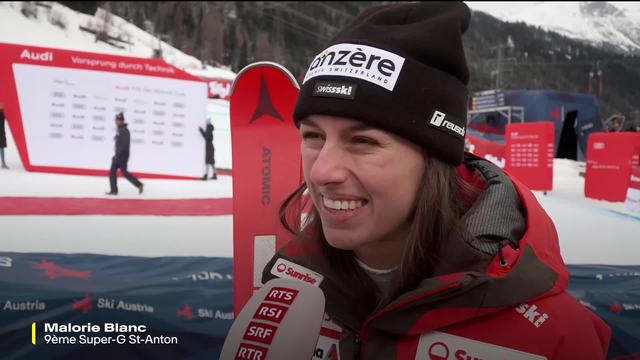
(265,106)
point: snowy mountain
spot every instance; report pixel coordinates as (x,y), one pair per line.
(50,24)
(606,24)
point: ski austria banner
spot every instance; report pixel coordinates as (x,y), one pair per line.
(150,308)
(266,169)
(611,158)
(60,106)
(530,153)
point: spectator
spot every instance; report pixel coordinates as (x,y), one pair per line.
(3,138)
(121,157)
(209,153)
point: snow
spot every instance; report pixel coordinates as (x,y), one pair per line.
(567,19)
(590,231)
(41,32)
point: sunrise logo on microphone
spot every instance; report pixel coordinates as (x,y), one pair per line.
(288,270)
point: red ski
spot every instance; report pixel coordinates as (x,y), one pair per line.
(266,168)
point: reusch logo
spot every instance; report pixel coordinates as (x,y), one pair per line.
(286,269)
(438,119)
(335,90)
(368,63)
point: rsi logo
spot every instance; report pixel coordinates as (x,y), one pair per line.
(438,119)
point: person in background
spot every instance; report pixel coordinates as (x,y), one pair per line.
(209,151)
(3,138)
(420,249)
(121,157)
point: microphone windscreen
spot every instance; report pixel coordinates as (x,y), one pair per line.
(282,320)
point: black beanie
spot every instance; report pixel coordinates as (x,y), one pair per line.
(400,68)
(120,116)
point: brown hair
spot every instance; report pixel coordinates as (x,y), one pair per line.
(440,202)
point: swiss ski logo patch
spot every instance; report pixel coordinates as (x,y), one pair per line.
(335,90)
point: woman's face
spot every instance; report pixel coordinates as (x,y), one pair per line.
(363,183)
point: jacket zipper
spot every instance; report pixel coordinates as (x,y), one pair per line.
(363,330)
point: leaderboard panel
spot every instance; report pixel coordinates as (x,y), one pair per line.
(61,105)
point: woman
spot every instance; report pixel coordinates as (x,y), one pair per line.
(422,251)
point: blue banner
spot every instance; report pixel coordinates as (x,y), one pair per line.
(189,300)
(184,303)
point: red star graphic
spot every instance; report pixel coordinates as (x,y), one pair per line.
(615,308)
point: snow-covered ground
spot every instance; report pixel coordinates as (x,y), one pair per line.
(591,231)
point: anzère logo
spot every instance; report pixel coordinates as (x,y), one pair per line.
(368,63)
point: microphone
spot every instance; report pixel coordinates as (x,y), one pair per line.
(282,320)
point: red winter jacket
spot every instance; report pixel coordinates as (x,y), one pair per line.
(473,307)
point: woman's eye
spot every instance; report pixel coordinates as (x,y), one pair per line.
(364,140)
(311,135)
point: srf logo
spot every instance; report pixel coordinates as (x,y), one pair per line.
(437,118)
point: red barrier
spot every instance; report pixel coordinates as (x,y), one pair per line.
(530,152)
(610,160)
(632,201)
(489,150)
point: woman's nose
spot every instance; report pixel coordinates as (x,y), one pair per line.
(330,166)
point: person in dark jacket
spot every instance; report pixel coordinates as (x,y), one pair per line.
(3,138)
(121,157)
(209,157)
(422,251)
